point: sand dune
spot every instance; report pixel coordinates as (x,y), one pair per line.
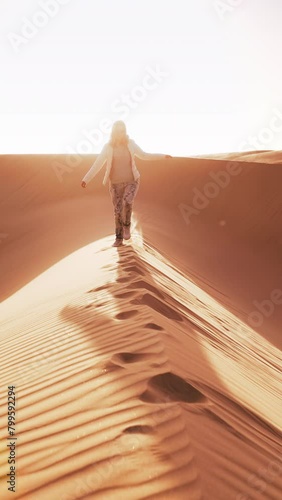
(138,370)
(257,156)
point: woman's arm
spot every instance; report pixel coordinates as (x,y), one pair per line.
(147,156)
(96,167)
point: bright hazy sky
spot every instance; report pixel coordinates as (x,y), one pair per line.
(219,84)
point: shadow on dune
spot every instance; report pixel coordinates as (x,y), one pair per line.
(43,217)
(124,324)
(231,245)
(133,291)
(136,348)
(141,335)
(231,248)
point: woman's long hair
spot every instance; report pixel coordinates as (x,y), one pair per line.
(118,134)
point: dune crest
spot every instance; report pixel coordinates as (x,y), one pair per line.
(137,371)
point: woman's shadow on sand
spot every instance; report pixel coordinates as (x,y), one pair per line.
(134,288)
(124,312)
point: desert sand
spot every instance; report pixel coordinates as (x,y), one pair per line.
(257,156)
(152,370)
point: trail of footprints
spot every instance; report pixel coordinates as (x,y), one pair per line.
(165,387)
(153,298)
(134,289)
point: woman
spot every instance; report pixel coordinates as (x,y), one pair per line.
(124,178)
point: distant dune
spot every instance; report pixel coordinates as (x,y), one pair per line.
(274,157)
(152,370)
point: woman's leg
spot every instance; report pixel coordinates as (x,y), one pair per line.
(130,192)
(116,192)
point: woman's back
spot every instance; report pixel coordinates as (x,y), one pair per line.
(121,170)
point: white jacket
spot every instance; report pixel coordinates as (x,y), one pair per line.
(107,155)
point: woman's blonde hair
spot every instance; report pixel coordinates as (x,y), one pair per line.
(118,138)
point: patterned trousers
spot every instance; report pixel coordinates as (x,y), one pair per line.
(122,195)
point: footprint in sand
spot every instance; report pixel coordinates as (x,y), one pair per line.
(123,295)
(159,306)
(122,280)
(138,429)
(153,326)
(131,357)
(124,359)
(134,269)
(146,286)
(168,387)
(126,314)
(127,261)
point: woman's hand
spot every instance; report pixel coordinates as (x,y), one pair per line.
(168,156)
(83,184)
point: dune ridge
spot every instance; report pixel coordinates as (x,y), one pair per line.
(138,373)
